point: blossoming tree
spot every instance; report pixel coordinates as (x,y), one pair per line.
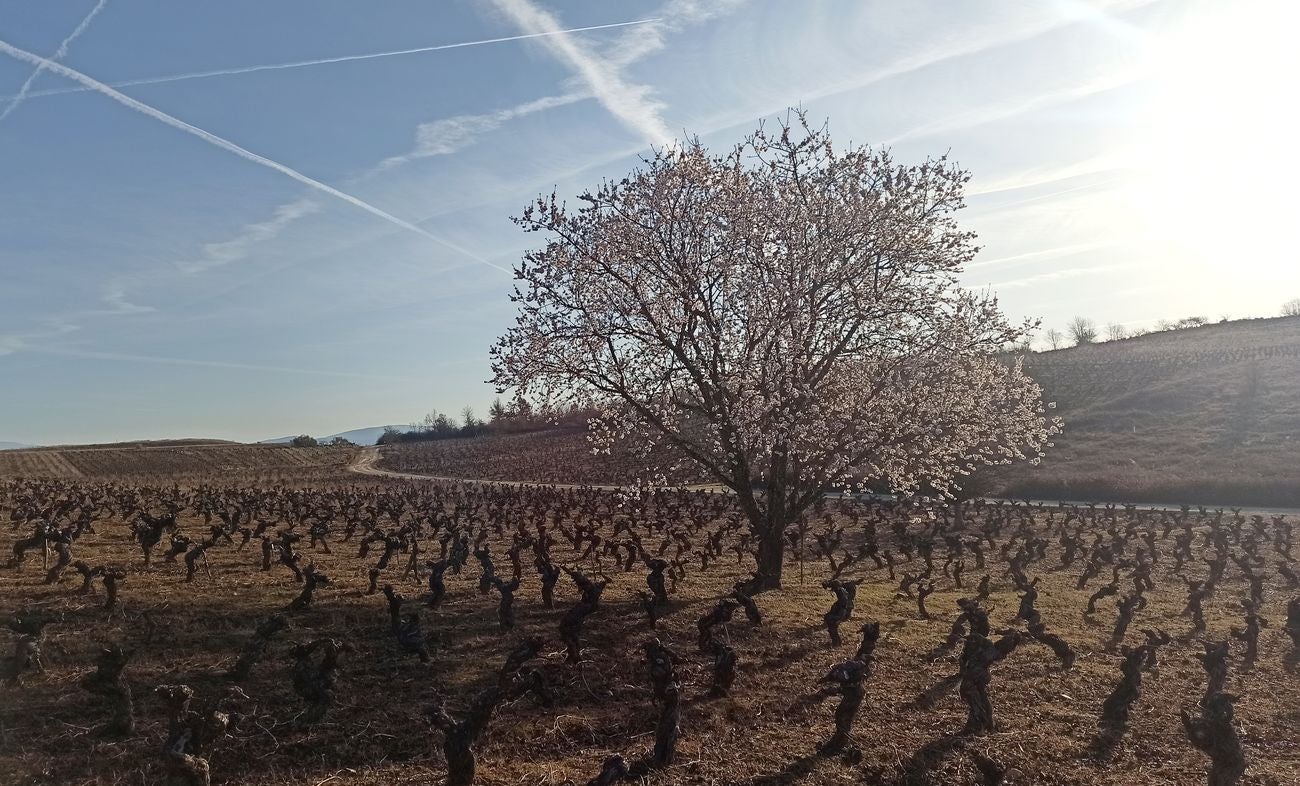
(787,316)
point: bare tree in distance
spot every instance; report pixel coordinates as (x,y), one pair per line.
(1116,332)
(1082,331)
(1291,308)
(1055,338)
(787,316)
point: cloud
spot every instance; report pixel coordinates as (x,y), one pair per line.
(56,325)
(995,35)
(59,54)
(115,297)
(630,103)
(11,343)
(231,147)
(1072,272)
(672,17)
(158,80)
(969,42)
(991,112)
(171,361)
(1049,196)
(1042,176)
(640,39)
(237,248)
(1059,251)
(448,135)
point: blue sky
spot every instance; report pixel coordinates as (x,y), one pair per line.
(276,249)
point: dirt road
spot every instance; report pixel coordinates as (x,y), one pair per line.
(364,464)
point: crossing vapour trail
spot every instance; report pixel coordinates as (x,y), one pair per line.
(157,80)
(630,103)
(59,54)
(212,139)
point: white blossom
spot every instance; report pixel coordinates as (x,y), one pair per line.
(787,316)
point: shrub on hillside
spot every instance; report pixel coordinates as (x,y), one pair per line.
(1082,331)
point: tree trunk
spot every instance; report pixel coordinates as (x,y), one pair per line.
(769,514)
(770,528)
(771,557)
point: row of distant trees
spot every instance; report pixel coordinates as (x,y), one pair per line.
(308,441)
(502,419)
(1082,330)
(437,425)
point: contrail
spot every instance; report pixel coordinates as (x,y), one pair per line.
(629,103)
(59,54)
(90,355)
(157,80)
(212,139)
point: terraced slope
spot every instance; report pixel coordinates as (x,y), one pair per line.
(558,455)
(212,461)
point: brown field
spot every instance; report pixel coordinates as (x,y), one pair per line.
(766,732)
(191,461)
(560,455)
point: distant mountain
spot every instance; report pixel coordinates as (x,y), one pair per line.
(359,436)
(15,446)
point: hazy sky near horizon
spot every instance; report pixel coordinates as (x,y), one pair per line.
(250,219)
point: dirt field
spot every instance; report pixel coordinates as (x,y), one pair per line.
(766,732)
(184,461)
(560,455)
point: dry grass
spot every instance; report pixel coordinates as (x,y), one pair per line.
(1208,415)
(764,734)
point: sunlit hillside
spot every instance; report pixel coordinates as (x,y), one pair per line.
(1202,415)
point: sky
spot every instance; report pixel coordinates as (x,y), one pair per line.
(244,220)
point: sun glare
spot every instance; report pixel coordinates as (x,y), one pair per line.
(1216,179)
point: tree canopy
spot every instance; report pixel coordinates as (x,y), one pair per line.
(786,315)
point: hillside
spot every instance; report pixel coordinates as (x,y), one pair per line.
(555,455)
(1208,415)
(192,460)
(137,443)
(1205,415)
